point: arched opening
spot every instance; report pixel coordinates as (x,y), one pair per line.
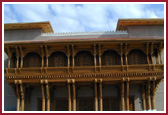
(111,57)
(32,59)
(84,58)
(57,59)
(13,60)
(137,56)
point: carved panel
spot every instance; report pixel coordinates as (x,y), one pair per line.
(84,58)
(57,59)
(137,57)
(111,57)
(32,60)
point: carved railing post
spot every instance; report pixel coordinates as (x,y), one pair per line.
(148,94)
(73,56)
(121,53)
(151,52)
(160,53)
(147,52)
(17,95)
(153,94)
(126,53)
(22,96)
(46,50)
(48,95)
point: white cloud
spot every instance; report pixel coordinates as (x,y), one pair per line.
(86,17)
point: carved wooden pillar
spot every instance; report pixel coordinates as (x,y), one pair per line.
(96,98)
(100,56)
(9,57)
(68,57)
(42,56)
(126,54)
(73,56)
(153,94)
(69,96)
(143,97)
(46,50)
(122,97)
(48,96)
(43,96)
(17,58)
(160,53)
(147,52)
(74,94)
(100,96)
(127,95)
(121,53)
(95,57)
(22,97)
(18,97)
(151,53)
(149,97)
(21,54)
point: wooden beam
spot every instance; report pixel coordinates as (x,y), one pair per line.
(69,96)
(96,97)
(100,96)
(74,94)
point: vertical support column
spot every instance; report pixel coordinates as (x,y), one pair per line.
(18,97)
(9,57)
(160,53)
(46,50)
(149,97)
(73,56)
(121,53)
(100,57)
(74,94)
(42,56)
(43,95)
(17,58)
(100,96)
(151,52)
(22,96)
(96,98)
(126,53)
(143,98)
(69,96)
(95,56)
(153,94)
(48,95)
(127,94)
(21,53)
(122,96)
(147,52)
(68,57)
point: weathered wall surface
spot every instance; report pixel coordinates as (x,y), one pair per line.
(146,31)
(15,35)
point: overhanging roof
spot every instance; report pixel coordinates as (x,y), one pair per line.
(123,23)
(45,26)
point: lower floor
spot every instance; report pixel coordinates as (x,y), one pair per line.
(85,96)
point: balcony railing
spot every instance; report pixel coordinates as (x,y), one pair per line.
(85,69)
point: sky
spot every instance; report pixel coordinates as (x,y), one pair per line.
(80,17)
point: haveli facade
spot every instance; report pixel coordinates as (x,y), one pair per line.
(87,71)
